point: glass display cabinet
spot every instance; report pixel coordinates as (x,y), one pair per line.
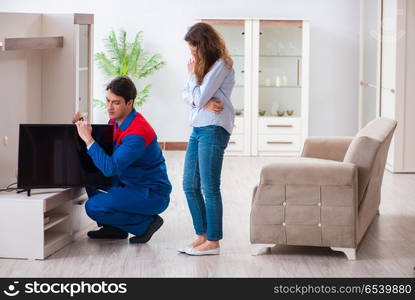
(84,74)
(280,86)
(237,36)
(271,90)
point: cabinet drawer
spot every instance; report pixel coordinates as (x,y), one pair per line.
(272,142)
(276,125)
(239,125)
(236,143)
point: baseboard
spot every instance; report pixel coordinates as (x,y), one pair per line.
(173,146)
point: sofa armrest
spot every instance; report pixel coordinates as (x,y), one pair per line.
(312,171)
(333,148)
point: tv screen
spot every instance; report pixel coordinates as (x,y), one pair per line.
(54,156)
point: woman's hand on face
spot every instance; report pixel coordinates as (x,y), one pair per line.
(85,131)
(191,65)
(214,105)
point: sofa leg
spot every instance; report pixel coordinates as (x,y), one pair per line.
(260,249)
(378,213)
(350,252)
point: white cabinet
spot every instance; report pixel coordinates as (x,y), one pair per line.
(67,74)
(84,67)
(282,125)
(37,226)
(393,92)
(239,125)
(236,143)
(46,75)
(237,34)
(270,143)
(271,61)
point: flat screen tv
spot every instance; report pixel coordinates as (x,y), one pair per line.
(54,156)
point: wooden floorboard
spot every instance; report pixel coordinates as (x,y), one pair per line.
(388,249)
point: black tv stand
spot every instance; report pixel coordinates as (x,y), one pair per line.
(29,192)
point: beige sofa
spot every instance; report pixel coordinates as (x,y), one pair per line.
(327,197)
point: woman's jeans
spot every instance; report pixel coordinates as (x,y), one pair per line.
(201,179)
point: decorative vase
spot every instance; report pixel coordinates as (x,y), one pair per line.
(275,106)
(280,113)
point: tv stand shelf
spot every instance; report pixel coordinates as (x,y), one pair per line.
(23,233)
(28,43)
(55,220)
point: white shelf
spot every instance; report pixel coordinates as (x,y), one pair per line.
(282,117)
(55,220)
(274,115)
(280,87)
(25,217)
(55,240)
(83,69)
(26,43)
(52,237)
(273,86)
(279,56)
(270,56)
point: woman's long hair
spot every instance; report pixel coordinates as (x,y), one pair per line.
(210,46)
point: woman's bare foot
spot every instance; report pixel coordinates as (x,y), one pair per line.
(199,241)
(207,245)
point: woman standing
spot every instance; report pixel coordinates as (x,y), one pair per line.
(208,93)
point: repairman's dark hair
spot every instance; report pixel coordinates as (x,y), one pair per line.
(123,86)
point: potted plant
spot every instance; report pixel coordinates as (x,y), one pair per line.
(124,58)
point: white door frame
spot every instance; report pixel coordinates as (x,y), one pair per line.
(362,81)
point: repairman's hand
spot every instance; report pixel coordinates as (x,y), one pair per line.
(77,117)
(85,132)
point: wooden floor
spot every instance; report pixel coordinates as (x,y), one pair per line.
(388,249)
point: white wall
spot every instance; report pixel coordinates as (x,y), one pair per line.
(333,64)
(23,67)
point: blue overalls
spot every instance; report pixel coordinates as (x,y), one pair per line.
(141,188)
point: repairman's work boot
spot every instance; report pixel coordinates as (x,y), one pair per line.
(108,232)
(144,238)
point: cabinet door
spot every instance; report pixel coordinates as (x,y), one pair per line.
(369,92)
(278,73)
(388,80)
(83,69)
(390,38)
(237,36)
(394,102)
